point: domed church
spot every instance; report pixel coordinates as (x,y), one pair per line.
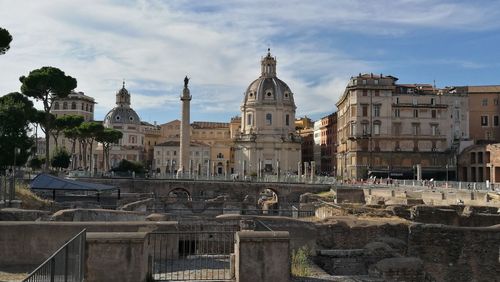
(267,143)
(125,119)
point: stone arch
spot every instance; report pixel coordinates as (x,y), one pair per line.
(179,194)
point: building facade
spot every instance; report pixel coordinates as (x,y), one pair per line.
(267,143)
(387,129)
(123,118)
(484,112)
(76,103)
(328,144)
(167,159)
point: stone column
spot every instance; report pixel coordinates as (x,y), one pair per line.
(185,138)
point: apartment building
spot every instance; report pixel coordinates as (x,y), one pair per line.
(386,129)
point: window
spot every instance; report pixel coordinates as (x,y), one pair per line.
(353,128)
(433,113)
(90,108)
(175,153)
(495,120)
(287,119)
(432,101)
(377,93)
(365,92)
(220,156)
(434,130)
(396,127)
(376,128)
(484,120)
(365,128)
(375,81)
(269,119)
(495,101)
(364,81)
(364,109)
(87,107)
(397,112)
(249,119)
(65,106)
(397,100)
(479,157)
(376,110)
(56,106)
(416,128)
(484,103)
(415,113)
(415,102)
(82,106)
(73,106)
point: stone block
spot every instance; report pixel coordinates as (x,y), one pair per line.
(262,256)
(116,256)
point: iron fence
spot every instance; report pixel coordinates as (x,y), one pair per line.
(66,264)
(191,255)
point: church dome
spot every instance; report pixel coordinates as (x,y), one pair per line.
(268,88)
(122,113)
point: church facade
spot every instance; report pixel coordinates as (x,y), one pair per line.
(267,142)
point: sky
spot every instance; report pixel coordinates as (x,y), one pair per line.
(319,45)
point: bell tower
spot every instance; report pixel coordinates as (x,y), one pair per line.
(268,65)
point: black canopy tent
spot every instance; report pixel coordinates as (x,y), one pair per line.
(54,184)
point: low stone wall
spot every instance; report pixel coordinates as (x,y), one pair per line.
(456,253)
(454,216)
(97,215)
(349,195)
(351,233)
(116,256)
(30,243)
(13,214)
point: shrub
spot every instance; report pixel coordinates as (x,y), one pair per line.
(300,262)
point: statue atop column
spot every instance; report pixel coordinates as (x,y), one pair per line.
(186,81)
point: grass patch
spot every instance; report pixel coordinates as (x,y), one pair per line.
(30,200)
(327,195)
(300,262)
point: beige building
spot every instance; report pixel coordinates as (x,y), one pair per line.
(267,143)
(77,103)
(215,135)
(167,159)
(387,129)
(484,111)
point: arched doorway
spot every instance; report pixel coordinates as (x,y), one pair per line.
(268,202)
(178,195)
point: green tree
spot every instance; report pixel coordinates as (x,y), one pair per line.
(61,159)
(16,113)
(125,166)
(65,122)
(71,132)
(36,163)
(5,39)
(47,84)
(107,137)
(88,132)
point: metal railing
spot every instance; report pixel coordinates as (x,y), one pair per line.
(191,255)
(283,178)
(66,264)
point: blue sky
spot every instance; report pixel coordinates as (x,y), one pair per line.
(319,45)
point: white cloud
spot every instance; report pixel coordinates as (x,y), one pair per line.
(153,44)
